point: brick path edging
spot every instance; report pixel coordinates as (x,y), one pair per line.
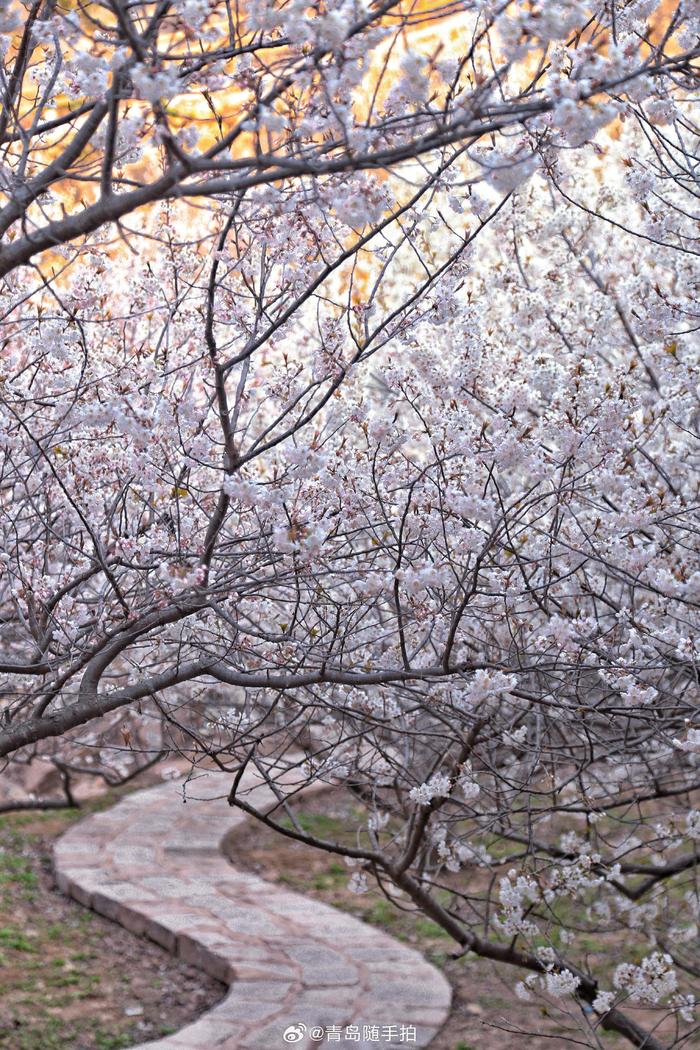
(154,865)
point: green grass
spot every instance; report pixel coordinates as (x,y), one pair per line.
(17,871)
(335,875)
(383,913)
(110,1041)
(428,928)
(321,825)
(13,937)
(48,1033)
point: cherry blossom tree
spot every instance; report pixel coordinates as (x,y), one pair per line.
(349,426)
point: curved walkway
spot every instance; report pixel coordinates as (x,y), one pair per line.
(155,866)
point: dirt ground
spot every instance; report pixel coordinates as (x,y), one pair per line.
(70,979)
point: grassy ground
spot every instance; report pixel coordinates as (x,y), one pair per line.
(70,979)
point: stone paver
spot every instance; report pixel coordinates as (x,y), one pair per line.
(154,864)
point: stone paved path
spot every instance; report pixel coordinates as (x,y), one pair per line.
(154,865)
